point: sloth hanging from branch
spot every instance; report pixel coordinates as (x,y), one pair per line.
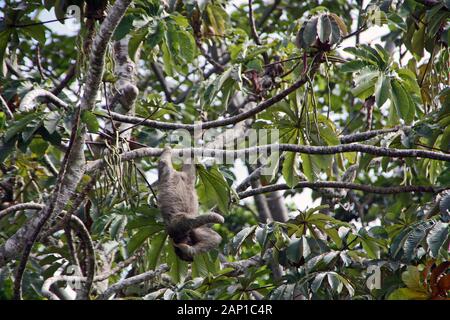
(190,232)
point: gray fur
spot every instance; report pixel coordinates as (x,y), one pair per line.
(178,202)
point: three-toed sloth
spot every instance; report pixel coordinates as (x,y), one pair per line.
(177,199)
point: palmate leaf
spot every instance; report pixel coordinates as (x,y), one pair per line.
(298,249)
(156,247)
(322,261)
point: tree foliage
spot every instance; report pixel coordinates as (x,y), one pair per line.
(363,117)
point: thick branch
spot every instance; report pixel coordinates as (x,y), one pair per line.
(97,55)
(132,281)
(258,150)
(343,185)
(84,235)
(214,123)
(28,102)
(74,161)
(19,207)
(253,31)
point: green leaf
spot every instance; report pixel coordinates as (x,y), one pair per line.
(155,250)
(437,237)
(19,125)
(214,188)
(37,32)
(51,121)
(298,249)
(135,42)
(39,146)
(365,83)
(415,236)
(124,27)
(407,294)
(321,261)
(4,39)
(334,282)
(317,282)
(401,102)
(88,118)
(411,277)
(288,169)
(382,89)
(418,41)
(289,163)
(118,223)
(445,140)
(217,18)
(353,66)
(178,268)
(203,265)
(187,46)
(140,236)
(237,241)
(167,59)
(157,36)
(409,81)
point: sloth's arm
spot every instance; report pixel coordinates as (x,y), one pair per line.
(165,163)
(182,224)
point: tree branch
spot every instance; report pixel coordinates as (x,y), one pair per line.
(78,225)
(253,31)
(74,162)
(21,206)
(132,281)
(252,151)
(268,12)
(214,123)
(343,185)
(363,136)
(6,108)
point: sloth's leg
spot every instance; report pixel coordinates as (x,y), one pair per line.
(204,239)
(183,223)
